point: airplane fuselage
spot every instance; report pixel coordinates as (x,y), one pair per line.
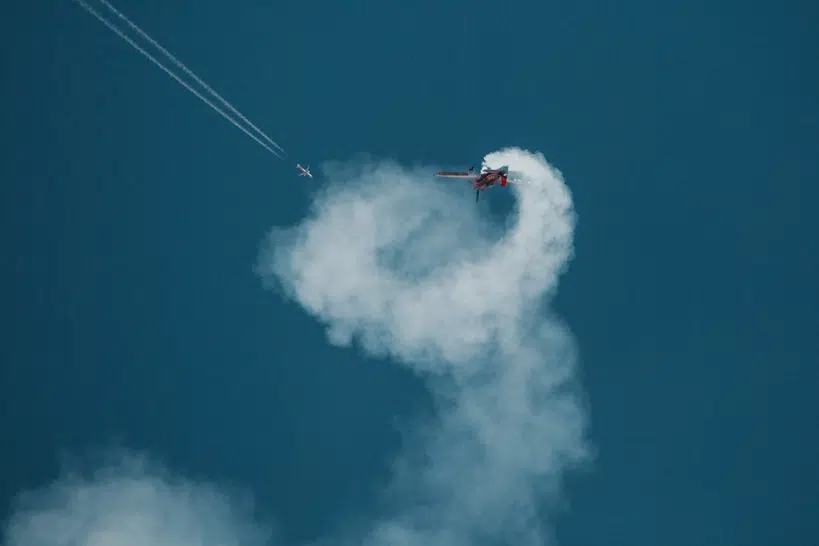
(487,180)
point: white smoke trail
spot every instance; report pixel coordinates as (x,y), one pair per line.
(409,268)
(150,57)
(406,267)
(187,71)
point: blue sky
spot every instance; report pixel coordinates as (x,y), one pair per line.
(133,217)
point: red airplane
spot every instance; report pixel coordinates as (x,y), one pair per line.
(481,181)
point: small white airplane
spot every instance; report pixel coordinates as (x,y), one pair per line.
(304,172)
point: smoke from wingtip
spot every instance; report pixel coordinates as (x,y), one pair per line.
(409,269)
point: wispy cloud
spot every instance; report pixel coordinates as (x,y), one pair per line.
(132,502)
(411,269)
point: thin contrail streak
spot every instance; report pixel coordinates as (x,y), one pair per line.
(150,57)
(187,71)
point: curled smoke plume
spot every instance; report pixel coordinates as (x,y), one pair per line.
(409,268)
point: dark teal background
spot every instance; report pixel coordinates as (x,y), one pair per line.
(132,214)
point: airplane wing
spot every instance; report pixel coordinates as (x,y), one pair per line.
(461,175)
